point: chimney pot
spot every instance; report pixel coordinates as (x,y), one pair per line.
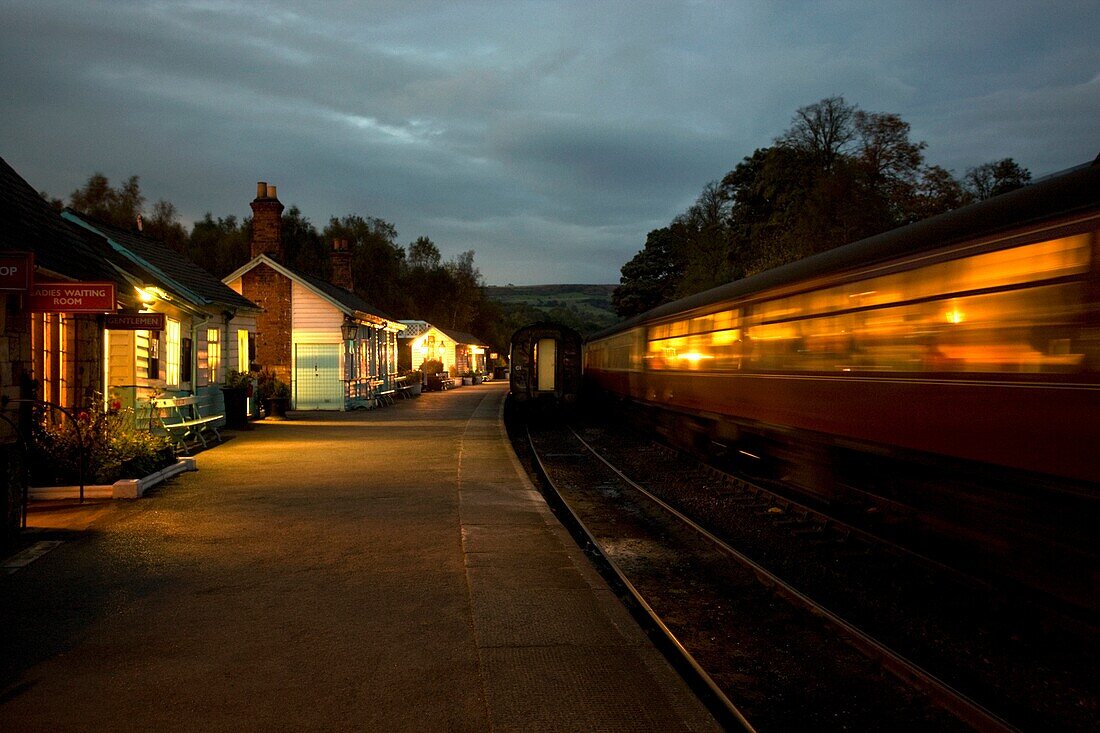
(261,190)
(271,192)
(340,258)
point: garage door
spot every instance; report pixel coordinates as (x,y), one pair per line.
(317,381)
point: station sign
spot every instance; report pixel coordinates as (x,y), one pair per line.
(134,321)
(16,269)
(70,297)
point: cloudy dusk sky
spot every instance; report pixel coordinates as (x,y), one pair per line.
(549,137)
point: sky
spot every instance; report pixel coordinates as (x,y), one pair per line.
(548,137)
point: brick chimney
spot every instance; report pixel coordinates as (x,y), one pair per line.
(267,223)
(340,256)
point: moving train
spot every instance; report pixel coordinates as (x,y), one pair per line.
(970,339)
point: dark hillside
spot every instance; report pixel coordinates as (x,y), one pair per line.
(587,308)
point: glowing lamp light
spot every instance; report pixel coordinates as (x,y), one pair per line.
(955,316)
(349,329)
(146,295)
(695,357)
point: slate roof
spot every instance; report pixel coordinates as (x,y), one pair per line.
(164,262)
(29,224)
(464,338)
(345,298)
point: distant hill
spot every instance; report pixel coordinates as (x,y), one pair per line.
(584,307)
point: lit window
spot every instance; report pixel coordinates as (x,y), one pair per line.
(172,343)
(242,351)
(213,356)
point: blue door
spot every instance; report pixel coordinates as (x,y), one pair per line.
(317,381)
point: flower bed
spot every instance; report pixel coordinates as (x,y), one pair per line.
(114,446)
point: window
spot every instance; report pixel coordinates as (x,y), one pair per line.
(152,350)
(213,356)
(185,360)
(243,343)
(172,344)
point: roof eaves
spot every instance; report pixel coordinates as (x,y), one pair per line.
(192,297)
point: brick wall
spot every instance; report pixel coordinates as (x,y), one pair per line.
(272,292)
(15,359)
(267,224)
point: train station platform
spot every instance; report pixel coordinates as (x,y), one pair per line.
(390,570)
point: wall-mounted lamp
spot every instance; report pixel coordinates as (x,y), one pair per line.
(146,295)
(349,329)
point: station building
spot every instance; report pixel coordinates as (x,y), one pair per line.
(163,325)
(335,350)
(208,331)
(460,352)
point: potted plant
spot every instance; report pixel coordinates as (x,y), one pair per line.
(433,374)
(467,378)
(236,391)
(274,394)
(414,381)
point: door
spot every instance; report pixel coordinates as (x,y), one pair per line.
(317,380)
(546,359)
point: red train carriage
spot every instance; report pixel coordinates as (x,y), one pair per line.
(972,337)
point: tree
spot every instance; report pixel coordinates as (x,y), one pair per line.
(164,226)
(119,207)
(303,247)
(424,255)
(220,246)
(823,130)
(651,277)
(468,290)
(937,192)
(377,260)
(704,242)
(992,179)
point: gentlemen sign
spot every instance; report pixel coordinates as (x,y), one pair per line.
(72,298)
(15,270)
(134,321)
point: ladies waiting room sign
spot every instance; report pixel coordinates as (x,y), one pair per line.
(70,297)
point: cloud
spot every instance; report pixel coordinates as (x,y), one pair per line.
(548,137)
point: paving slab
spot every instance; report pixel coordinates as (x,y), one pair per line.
(390,570)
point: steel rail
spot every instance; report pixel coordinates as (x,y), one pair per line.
(967,710)
(725,707)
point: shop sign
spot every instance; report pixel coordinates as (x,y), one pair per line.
(68,297)
(15,270)
(134,321)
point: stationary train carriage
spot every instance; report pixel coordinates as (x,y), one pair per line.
(545,363)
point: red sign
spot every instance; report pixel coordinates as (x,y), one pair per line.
(72,298)
(15,270)
(134,321)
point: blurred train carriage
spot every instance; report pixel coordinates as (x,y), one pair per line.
(970,339)
(545,363)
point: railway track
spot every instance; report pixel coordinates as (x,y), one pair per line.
(813,668)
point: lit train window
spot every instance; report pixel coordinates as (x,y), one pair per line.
(1016,266)
(1028,330)
(709,342)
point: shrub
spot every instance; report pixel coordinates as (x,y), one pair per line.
(114,448)
(431,366)
(269,386)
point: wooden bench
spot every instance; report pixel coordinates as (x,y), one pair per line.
(440,382)
(180,418)
(401,384)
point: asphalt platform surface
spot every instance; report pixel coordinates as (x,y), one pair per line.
(389,570)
